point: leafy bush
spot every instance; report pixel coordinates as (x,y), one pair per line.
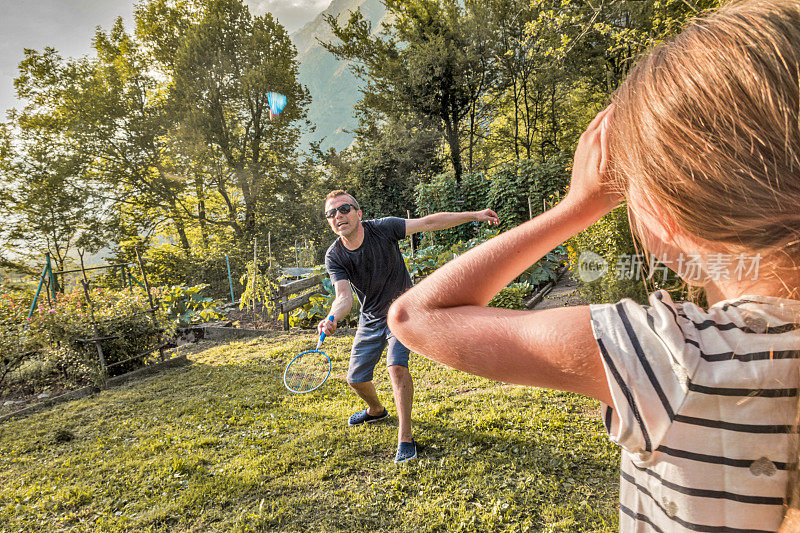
(14,306)
(168,266)
(506,190)
(260,284)
(611,239)
(56,334)
(512,297)
(185,305)
(512,185)
(442,194)
(545,269)
(426,260)
(308,316)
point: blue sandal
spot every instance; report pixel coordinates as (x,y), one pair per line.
(356,419)
(406,451)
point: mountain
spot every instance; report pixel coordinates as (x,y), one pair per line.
(334,89)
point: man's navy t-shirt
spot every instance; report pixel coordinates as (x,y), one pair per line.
(375,269)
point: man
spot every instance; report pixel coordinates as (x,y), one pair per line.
(367,255)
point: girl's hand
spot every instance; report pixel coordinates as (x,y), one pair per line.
(589,187)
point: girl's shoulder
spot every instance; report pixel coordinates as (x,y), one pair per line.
(745,329)
(750,315)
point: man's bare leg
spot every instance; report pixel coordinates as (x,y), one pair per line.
(403,390)
(366,391)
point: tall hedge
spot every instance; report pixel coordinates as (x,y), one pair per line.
(506,190)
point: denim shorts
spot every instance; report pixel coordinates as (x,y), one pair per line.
(367,349)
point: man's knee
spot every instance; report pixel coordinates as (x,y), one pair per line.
(398,371)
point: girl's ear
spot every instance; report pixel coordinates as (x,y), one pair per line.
(665,227)
(661,224)
(649,218)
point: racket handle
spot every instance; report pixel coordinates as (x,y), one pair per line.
(322,335)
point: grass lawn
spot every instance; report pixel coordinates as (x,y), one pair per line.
(220,445)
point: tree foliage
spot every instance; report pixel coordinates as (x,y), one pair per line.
(165,134)
(431,60)
(162,139)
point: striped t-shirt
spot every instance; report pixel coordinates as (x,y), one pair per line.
(703,404)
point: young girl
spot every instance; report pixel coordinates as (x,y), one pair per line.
(703,142)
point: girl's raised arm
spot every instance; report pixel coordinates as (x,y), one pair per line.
(444,317)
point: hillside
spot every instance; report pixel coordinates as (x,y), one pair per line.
(334,89)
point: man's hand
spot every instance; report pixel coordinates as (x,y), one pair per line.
(487,215)
(327,326)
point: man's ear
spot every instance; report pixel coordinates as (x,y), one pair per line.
(360,213)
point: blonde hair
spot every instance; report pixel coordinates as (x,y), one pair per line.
(707,126)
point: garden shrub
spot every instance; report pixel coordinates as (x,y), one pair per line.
(627,267)
(118,313)
(185,305)
(14,306)
(506,190)
(512,297)
(169,266)
(611,239)
(308,316)
(442,194)
(428,259)
(52,334)
(260,284)
(514,183)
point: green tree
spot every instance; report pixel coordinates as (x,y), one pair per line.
(110,111)
(223,62)
(432,60)
(388,159)
(45,206)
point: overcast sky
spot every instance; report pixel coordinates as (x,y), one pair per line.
(69,25)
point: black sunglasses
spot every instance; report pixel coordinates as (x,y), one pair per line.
(343,209)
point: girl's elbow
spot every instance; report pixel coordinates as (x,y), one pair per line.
(399,317)
(404,319)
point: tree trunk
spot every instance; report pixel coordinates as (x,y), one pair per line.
(451,132)
(528,135)
(516,119)
(247,196)
(179,227)
(182,234)
(201,209)
(554,119)
(232,217)
(450,118)
(471,133)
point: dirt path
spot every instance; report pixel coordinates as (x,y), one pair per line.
(564,294)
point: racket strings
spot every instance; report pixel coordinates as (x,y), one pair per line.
(307,372)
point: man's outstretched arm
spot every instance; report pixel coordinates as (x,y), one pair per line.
(437,221)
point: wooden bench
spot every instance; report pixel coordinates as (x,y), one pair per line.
(286,306)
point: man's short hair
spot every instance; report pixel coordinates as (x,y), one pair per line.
(339,192)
